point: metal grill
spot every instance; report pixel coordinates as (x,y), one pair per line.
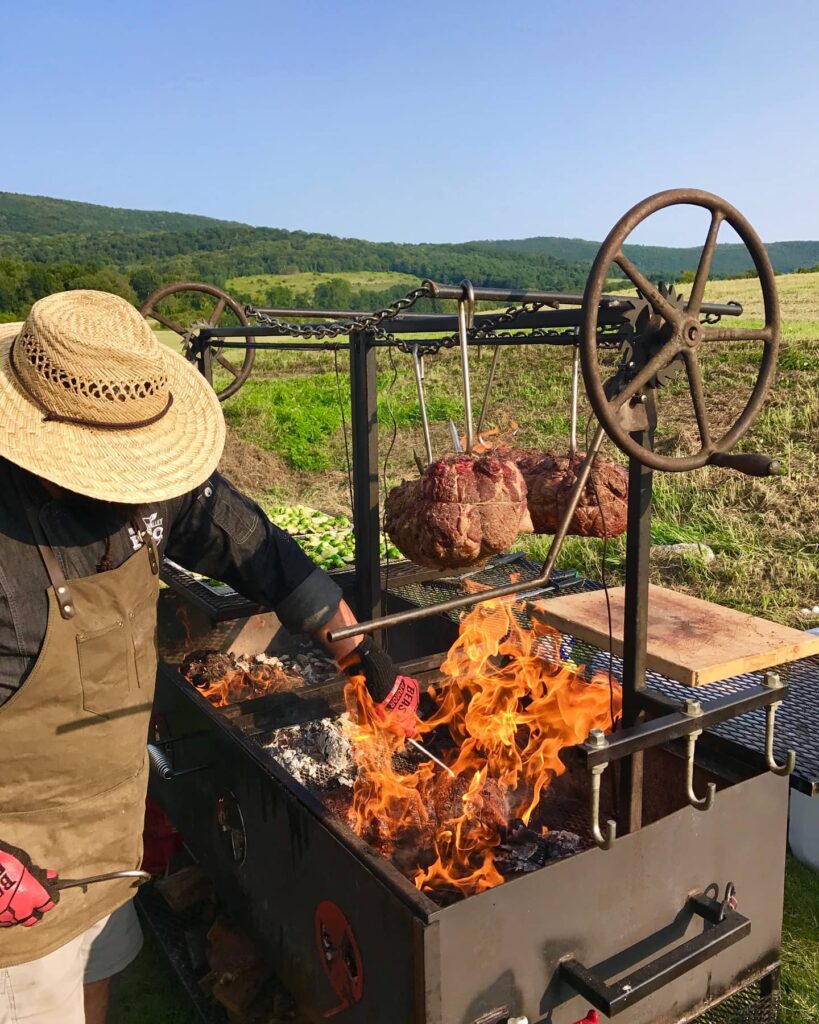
(797,722)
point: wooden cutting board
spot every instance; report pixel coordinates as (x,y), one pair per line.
(692,641)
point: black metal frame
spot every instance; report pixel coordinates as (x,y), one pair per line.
(362,346)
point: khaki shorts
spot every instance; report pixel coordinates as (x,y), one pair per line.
(50,990)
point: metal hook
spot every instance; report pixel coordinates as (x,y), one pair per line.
(706,802)
(466,312)
(605,842)
(774,682)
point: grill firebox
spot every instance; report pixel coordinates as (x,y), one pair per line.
(349,933)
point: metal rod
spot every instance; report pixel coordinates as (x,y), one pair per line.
(489,382)
(428,754)
(443,291)
(335,314)
(364,429)
(635,615)
(73,883)
(575,391)
(508,589)
(419,383)
(456,439)
(463,337)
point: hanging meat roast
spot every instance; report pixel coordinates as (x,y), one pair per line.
(463,510)
(549,480)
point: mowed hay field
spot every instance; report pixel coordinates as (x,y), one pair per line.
(258,285)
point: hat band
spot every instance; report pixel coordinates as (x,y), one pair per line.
(49,416)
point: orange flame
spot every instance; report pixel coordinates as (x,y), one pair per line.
(509,707)
(239,684)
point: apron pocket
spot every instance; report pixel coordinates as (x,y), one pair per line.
(104,668)
(143,634)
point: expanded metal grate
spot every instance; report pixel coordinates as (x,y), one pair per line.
(171,931)
(748,1006)
(797,720)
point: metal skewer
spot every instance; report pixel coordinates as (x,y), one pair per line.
(489,383)
(430,755)
(575,388)
(466,306)
(418,364)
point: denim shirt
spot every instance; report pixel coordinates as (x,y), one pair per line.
(214,530)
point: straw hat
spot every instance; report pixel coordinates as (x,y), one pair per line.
(91,400)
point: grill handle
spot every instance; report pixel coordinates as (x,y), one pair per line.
(724,926)
(162,767)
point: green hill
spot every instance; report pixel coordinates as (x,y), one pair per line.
(51,244)
(42,215)
(662,261)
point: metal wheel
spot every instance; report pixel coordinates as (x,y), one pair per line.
(674,335)
(236,362)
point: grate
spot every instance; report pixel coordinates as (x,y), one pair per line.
(169,929)
(797,721)
(750,1005)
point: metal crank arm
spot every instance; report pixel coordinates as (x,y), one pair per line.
(723,927)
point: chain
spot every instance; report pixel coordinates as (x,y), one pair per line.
(373,322)
(366,322)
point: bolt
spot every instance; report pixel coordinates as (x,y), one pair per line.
(773,680)
(692,707)
(597,738)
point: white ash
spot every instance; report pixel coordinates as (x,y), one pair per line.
(317,753)
(312,663)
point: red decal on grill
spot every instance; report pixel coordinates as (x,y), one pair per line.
(340,956)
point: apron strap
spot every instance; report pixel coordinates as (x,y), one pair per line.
(52,565)
(147,539)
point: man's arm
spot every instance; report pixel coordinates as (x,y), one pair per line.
(223,534)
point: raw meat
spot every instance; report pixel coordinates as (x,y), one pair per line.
(461,512)
(549,480)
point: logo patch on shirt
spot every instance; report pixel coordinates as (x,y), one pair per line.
(154,524)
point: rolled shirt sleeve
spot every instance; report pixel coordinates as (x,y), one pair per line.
(220,532)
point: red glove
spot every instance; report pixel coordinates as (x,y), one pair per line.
(395,697)
(590,1018)
(399,709)
(26,891)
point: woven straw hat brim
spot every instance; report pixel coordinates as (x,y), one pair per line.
(135,467)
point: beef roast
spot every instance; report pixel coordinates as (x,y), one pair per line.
(463,510)
(549,481)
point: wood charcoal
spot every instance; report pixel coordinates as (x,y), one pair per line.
(203,668)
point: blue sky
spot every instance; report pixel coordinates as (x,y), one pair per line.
(416,122)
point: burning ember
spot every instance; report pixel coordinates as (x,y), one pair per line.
(226,679)
(502,716)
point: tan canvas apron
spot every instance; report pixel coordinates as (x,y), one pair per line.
(73,766)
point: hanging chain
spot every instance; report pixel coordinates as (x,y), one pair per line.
(366,322)
(374,321)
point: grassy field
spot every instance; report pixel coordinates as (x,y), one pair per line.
(286,444)
(258,285)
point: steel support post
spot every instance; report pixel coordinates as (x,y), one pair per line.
(366,520)
(635,629)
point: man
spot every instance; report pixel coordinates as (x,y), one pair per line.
(108,450)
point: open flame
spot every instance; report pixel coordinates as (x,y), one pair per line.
(223,680)
(507,708)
